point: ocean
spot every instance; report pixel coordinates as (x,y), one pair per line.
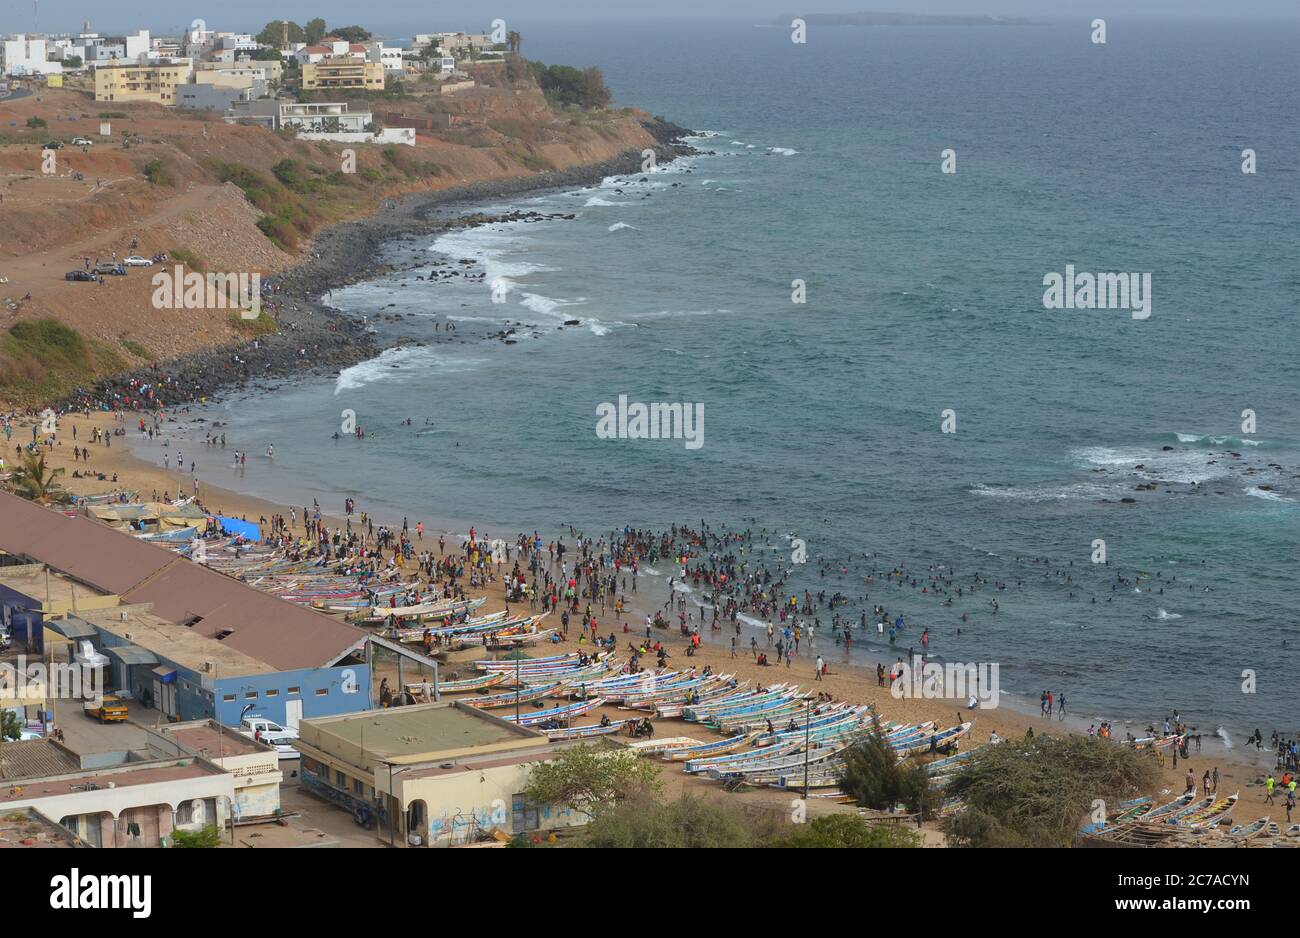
(824,420)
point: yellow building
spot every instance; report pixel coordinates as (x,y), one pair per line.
(155,83)
(343,72)
(431,775)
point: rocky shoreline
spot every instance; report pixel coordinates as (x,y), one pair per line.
(314,338)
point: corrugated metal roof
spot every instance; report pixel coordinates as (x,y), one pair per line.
(36,758)
(131,654)
(281,634)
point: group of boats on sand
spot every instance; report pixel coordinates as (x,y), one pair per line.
(1188,821)
(366,600)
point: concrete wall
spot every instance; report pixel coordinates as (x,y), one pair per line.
(453,805)
(323,692)
(400,135)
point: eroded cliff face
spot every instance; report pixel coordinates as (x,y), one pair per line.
(230,198)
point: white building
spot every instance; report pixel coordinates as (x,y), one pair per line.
(138,45)
(388,56)
(24,56)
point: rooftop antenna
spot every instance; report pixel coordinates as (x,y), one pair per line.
(36,10)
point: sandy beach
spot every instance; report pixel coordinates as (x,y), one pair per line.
(1238,768)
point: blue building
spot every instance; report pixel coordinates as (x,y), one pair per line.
(177,635)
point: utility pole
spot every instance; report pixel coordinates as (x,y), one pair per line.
(807,735)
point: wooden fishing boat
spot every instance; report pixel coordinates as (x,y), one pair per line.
(1165,810)
(595,729)
(700,763)
(1251,830)
(660,744)
(478,682)
(510,698)
(1193,809)
(565,712)
(720,747)
(1211,816)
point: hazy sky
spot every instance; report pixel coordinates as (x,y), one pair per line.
(403,17)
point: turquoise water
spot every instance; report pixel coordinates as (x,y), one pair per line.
(924,293)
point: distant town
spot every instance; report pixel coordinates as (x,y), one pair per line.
(253,79)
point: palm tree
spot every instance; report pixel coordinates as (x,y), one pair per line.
(33,480)
(514,41)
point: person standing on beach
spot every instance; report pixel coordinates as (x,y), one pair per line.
(821,666)
(1060,706)
(1216,779)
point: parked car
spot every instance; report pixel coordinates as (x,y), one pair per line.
(79,275)
(135,260)
(83,142)
(110,710)
(113,270)
(53,145)
(271,733)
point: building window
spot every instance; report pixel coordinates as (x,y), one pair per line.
(340,779)
(250,695)
(523,816)
(322,691)
(294,690)
(228,698)
(273,693)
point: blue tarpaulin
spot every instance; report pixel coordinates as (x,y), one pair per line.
(235,526)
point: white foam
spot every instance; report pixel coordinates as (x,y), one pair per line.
(1270,496)
(395,362)
(597,202)
(619,225)
(784,151)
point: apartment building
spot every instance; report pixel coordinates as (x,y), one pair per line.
(343,72)
(155,83)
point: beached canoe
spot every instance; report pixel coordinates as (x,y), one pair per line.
(510,698)
(565,712)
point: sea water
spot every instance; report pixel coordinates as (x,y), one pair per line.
(924,295)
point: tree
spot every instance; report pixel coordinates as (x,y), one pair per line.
(592,93)
(1034,792)
(36,122)
(315,31)
(876,778)
(351,33)
(588,779)
(33,480)
(208,837)
(684,823)
(10,728)
(72,62)
(514,41)
(838,831)
(274,35)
